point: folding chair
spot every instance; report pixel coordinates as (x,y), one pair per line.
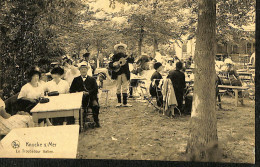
(146,95)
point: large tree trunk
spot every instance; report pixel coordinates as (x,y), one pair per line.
(1,72)
(203,140)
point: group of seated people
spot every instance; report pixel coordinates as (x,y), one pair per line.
(35,89)
(177,77)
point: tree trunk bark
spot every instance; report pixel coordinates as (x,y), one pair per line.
(155,41)
(140,42)
(203,140)
(1,73)
(155,46)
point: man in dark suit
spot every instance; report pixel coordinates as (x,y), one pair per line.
(88,86)
(178,81)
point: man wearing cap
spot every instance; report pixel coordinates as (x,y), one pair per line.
(86,60)
(121,72)
(88,85)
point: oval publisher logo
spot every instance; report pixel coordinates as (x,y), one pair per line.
(15,144)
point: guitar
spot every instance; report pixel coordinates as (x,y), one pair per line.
(122,61)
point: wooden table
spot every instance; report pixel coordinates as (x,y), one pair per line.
(236,89)
(64,105)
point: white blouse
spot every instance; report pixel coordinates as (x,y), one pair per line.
(31,92)
(62,87)
(2,103)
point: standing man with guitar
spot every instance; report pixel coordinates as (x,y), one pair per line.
(121,72)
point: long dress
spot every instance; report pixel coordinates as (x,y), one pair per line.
(16,121)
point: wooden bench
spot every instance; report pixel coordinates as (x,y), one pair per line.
(235,89)
(246,77)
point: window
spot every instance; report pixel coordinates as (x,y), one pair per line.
(184,47)
(248,48)
(235,49)
(219,49)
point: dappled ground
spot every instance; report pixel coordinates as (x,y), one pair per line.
(141,133)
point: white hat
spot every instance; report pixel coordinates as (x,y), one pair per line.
(120,44)
(192,66)
(83,64)
(228,61)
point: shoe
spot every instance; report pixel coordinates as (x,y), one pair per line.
(119,105)
(97,125)
(89,125)
(127,105)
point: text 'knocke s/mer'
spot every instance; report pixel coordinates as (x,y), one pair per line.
(37,144)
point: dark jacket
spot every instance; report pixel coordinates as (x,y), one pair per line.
(124,69)
(178,80)
(89,85)
(152,89)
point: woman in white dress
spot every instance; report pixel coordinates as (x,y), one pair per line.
(57,84)
(31,92)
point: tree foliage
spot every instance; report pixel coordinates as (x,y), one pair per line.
(232,15)
(39,32)
(29,36)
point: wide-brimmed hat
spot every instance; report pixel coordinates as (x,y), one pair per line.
(57,70)
(86,54)
(228,61)
(120,45)
(144,54)
(157,65)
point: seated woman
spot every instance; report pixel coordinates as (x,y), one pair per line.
(8,122)
(57,84)
(31,92)
(155,91)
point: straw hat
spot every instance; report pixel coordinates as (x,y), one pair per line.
(120,45)
(228,61)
